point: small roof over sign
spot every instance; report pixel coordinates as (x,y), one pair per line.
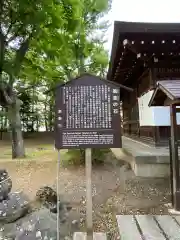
(165,93)
(85,75)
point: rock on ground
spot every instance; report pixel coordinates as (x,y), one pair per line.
(14,207)
(40,224)
(5,184)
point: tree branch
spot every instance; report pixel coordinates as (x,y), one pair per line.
(16,34)
(9,100)
(20,54)
(9,28)
(1,11)
(2,50)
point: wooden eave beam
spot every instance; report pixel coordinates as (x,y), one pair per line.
(127,44)
(123,70)
(119,63)
(152,55)
(127,72)
(121,60)
(153,49)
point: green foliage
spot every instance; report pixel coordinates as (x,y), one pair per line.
(46,42)
(36,25)
(43,43)
(56,55)
(59,55)
(77,156)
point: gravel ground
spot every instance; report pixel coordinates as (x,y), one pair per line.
(115,191)
(140,196)
(132,196)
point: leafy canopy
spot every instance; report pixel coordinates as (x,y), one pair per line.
(67,49)
(26,23)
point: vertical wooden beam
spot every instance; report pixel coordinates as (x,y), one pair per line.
(171,172)
(156,137)
(137,95)
(89,211)
(58,197)
(156,129)
(152,76)
(175,157)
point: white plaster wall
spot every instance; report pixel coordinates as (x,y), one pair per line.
(162,116)
(146,114)
(153,116)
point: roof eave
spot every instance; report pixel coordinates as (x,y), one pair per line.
(113,48)
(105,80)
(150,104)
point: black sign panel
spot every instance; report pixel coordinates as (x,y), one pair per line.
(87,114)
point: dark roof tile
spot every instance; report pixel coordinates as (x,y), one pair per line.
(172,86)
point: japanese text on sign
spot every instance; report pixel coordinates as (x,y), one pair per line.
(88,115)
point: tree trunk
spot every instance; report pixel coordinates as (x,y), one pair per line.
(5,121)
(37,124)
(45,115)
(33,112)
(16,130)
(50,117)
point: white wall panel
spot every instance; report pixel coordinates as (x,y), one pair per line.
(153,116)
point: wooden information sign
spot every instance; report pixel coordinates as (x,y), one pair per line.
(88,114)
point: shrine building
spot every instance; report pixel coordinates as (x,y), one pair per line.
(143,54)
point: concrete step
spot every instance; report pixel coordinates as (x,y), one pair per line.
(83,235)
(145,161)
(155,227)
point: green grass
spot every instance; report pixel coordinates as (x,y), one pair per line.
(43,150)
(35,150)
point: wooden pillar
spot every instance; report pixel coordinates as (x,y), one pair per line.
(89,205)
(137,105)
(152,83)
(157,137)
(152,77)
(175,158)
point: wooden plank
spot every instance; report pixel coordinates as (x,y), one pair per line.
(83,235)
(149,227)
(128,228)
(169,226)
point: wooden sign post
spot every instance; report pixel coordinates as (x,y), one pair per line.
(87,117)
(58,200)
(89,210)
